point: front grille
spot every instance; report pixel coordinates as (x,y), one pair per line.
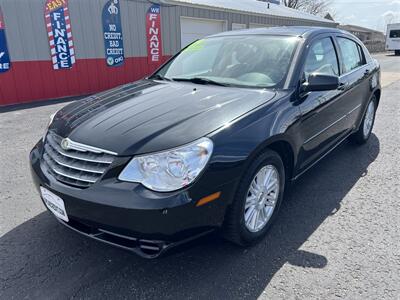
(79,168)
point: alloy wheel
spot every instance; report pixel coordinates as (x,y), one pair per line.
(261,199)
(369,119)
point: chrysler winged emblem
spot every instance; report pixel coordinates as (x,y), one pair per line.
(65,144)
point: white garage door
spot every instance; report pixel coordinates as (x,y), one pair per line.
(194,29)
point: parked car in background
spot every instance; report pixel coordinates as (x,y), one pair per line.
(393,38)
(208,142)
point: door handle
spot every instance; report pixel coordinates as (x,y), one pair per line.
(342,86)
(366,72)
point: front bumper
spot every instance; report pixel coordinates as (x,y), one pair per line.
(132,217)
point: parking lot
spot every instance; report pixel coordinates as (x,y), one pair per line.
(337,236)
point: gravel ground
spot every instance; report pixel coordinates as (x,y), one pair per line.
(338,234)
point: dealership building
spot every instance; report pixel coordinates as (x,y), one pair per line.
(60,48)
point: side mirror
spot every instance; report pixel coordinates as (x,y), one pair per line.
(320,82)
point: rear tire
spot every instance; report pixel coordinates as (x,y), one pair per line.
(237,227)
(367,124)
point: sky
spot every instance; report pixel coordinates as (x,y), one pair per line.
(374,14)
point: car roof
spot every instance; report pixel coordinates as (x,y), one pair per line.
(303,31)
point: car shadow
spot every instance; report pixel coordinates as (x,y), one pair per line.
(42,259)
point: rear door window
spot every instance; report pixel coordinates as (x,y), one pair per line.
(352,56)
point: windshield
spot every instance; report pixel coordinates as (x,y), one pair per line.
(247,60)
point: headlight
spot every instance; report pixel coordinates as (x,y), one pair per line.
(48,125)
(169,170)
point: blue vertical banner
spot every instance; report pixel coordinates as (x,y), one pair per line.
(59,33)
(112,32)
(5,63)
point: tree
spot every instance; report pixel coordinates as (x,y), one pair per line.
(315,7)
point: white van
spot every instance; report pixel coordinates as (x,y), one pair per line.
(393,38)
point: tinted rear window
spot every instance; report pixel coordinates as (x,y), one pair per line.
(394,33)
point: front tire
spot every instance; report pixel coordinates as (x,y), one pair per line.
(367,124)
(257,200)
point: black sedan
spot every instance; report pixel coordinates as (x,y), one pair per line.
(210,141)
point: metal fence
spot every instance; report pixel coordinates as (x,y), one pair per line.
(375,46)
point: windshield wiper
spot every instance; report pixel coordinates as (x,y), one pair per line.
(201,80)
(160,77)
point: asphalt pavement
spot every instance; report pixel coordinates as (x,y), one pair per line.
(390,66)
(337,236)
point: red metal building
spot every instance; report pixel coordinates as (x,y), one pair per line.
(31,26)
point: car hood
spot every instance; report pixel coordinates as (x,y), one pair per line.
(148,116)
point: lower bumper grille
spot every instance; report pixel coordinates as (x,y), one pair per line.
(79,168)
(144,248)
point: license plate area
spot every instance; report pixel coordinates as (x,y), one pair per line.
(54,203)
